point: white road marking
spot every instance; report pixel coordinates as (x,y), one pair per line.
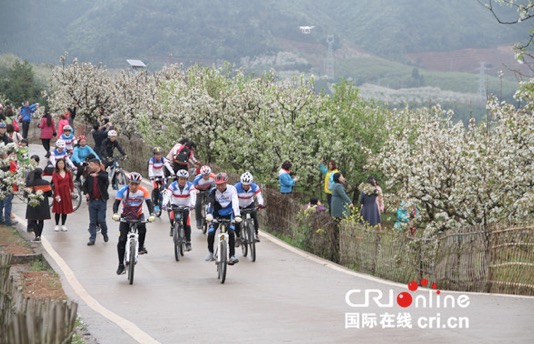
(127,326)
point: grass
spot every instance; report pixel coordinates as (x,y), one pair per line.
(40,265)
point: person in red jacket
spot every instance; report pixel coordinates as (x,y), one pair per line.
(62,187)
(48,130)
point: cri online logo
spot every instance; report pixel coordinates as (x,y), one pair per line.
(405,299)
(432,299)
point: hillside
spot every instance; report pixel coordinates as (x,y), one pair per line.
(207,31)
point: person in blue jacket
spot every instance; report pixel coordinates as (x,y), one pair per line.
(25,116)
(80,154)
(286,181)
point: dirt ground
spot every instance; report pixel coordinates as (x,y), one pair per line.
(37,279)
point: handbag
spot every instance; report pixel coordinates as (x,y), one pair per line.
(15,125)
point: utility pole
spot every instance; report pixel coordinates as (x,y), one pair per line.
(482,80)
(329,64)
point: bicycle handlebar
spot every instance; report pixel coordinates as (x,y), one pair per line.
(133,221)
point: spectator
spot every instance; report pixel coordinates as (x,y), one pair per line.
(63,121)
(63,188)
(380,198)
(340,204)
(13,135)
(328,171)
(314,206)
(100,133)
(95,188)
(35,162)
(70,114)
(25,116)
(48,130)
(340,199)
(10,166)
(2,114)
(9,117)
(368,200)
(37,214)
(3,134)
(286,181)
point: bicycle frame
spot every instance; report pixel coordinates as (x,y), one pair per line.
(133,235)
(223,236)
(132,242)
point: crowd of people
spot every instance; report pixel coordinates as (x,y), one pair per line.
(71,160)
(339,204)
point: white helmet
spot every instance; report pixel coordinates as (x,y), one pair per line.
(112,133)
(135,177)
(182,174)
(60,143)
(67,128)
(204,170)
(246,178)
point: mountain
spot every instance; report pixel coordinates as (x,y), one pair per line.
(207,31)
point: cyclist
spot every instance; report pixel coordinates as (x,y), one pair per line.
(155,169)
(246,190)
(106,151)
(182,193)
(69,138)
(182,156)
(80,154)
(223,203)
(131,196)
(203,182)
(59,153)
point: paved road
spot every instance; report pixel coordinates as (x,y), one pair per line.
(285,296)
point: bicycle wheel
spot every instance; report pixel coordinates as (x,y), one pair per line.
(251,240)
(223,263)
(181,236)
(176,241)
(203,217)
(76,197)
(121,179)
(244,240)
(131,265)
(155,200)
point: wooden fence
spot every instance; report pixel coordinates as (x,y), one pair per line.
(496,259)
(32,321)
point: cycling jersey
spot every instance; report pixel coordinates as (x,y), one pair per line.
(69,141)
(132,202)
(155,167)
(246,197)
(181,196)
(202,184)
(224,203)
(55,155)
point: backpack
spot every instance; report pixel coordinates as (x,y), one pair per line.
(183,155)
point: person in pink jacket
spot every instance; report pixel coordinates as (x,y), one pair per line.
(62,122)
(48,130)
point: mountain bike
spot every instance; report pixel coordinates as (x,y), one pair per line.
(157,194)
(116,172)
(176,213)
(203,210)
(248,238)
(221,254)
(132,247)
